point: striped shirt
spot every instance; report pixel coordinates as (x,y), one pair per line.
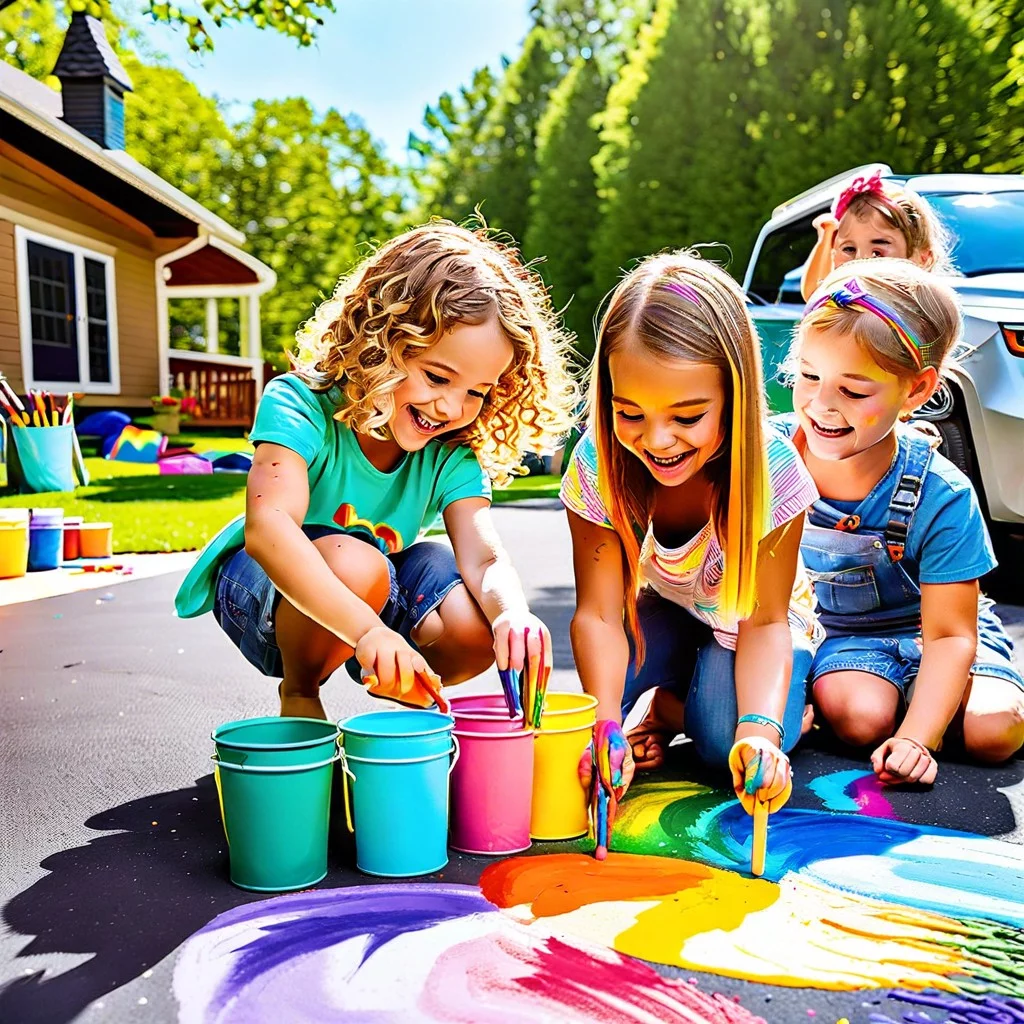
(691,575)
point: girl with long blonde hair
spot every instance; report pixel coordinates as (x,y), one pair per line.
(685,510)
(430,372)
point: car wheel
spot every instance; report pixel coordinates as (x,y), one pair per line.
(955,444)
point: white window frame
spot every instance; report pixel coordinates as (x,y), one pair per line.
(22,236)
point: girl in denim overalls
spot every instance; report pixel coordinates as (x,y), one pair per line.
(896,543)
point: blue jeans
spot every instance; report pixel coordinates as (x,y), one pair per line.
(683,656)
(422,576)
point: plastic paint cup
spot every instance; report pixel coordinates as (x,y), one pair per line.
(96,540)
(45,546)
(72,537)
(397,765)
(492,790)
(274,782)
(559,800)
(13,548)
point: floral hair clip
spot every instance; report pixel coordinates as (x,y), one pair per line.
(851,294)
(860,187)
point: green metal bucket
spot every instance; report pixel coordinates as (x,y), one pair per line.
(275,815)
(275,741)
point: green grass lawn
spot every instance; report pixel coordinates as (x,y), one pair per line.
(180,513)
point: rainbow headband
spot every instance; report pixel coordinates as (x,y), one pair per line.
(852,295)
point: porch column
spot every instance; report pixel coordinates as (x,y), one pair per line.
(253,339)
(212,326)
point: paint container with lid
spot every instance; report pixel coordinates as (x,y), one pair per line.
(96,540)
(72,537)
(13,543)
(45,539)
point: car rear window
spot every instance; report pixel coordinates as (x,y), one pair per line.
(784,250)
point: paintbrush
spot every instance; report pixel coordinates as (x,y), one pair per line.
(13,396)
(16,418)
(530,694)
(510,688)
(608,756)
(759,845)
(542,685)
(432,684)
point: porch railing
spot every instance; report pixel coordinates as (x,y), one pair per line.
(225,395)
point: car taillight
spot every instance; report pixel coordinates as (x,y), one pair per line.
(1013,335)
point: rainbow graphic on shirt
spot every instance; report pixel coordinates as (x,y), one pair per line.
(347,519)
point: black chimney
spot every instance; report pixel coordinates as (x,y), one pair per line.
(93,83)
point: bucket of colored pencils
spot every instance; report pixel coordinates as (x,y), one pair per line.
(45,455)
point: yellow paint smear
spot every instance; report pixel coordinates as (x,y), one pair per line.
(794,933)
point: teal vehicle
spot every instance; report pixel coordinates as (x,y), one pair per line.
(979,409)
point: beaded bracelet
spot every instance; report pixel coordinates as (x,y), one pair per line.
(765,720)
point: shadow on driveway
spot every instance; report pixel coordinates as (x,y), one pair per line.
(129,899)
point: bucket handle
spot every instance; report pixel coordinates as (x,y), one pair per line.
(347,772)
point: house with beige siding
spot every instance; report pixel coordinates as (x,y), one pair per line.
(94,248)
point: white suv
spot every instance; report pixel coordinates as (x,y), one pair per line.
(980,409)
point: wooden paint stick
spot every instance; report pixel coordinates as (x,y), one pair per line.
(760,842)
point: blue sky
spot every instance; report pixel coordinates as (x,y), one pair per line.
(384,60)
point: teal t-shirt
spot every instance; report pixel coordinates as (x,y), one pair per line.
(345,490)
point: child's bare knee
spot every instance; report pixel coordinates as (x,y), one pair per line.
(360,566)
(856,713)
(994,736)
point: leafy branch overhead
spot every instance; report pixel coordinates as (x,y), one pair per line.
(299,19)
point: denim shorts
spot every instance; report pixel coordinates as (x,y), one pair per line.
(897,657)
(683,656)
(422,576)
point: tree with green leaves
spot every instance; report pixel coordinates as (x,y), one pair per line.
(298,19)
(311,191)
(508,137)
(172,128)
(446,176)
(563,206)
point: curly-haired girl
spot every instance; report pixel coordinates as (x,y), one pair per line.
(429,373)
(872,218)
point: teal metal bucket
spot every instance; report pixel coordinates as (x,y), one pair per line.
(398,764)
(275,741)
(397,733)
(274,780)
(276,822)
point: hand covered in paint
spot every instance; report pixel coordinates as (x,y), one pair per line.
(606,727)
(519,638)
(760,772)
(393,670)
(902,760)
(606,770)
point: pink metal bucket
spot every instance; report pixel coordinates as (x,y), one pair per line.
(492,789)
(484,713)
